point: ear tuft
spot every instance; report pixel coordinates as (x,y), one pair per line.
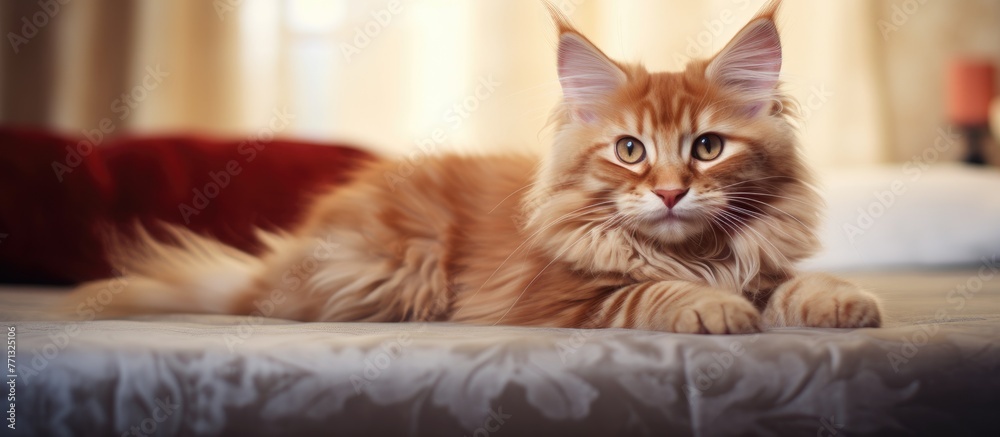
(751,62)
(587,76)
(559,19)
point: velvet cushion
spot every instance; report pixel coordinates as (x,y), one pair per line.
(58,195)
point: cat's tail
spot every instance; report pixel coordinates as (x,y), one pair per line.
(190,273)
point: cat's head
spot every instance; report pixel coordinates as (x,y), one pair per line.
(705,155)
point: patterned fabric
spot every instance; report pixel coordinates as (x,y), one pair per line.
(934,370)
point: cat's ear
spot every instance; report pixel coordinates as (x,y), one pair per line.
(751,62)
(587,76)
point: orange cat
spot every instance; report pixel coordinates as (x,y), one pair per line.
(669,201)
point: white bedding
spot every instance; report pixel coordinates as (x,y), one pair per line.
(908,216)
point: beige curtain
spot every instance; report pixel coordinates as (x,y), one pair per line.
(137,66)
(420,76)
(832,66)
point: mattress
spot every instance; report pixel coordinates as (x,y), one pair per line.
(933,369)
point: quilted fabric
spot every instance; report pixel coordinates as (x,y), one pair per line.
(935,370)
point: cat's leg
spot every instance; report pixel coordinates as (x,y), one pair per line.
(679,306)
(823,301)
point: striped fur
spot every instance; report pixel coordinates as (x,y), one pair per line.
(579,239)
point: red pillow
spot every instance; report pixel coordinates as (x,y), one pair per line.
(57,193)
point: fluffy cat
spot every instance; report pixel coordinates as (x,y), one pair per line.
(668,201)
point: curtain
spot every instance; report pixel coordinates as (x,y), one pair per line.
(408,77)
(122,66)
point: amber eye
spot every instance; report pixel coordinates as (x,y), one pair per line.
(630,150)
(707,147)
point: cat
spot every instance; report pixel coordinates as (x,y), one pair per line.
(670,201)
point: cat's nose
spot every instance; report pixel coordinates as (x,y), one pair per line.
(671,197)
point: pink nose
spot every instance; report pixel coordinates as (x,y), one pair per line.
(671,197)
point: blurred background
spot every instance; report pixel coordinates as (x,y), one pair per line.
(891,94)
(871,74)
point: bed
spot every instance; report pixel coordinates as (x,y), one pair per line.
(934,368)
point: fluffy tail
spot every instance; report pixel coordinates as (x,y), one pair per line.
(191,274)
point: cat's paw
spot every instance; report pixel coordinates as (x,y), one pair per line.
(846,307)
(717,314)
(822,301)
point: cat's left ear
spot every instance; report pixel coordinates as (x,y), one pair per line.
(751,62)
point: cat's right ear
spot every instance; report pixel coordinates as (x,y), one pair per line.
(588,76)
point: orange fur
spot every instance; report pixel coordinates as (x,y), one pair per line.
(580,241)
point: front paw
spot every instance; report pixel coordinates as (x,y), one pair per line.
(851,308)
(717,314)
(823,301)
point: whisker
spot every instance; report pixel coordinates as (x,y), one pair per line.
(526,287)
(579,212)
(582,212)
(762,218)
(511,194)
(760,179)
(761,237)
(739,198)
(804,202)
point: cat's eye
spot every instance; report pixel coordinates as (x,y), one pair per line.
(707,147)
(630,150)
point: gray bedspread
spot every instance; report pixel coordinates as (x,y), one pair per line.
(934,370)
